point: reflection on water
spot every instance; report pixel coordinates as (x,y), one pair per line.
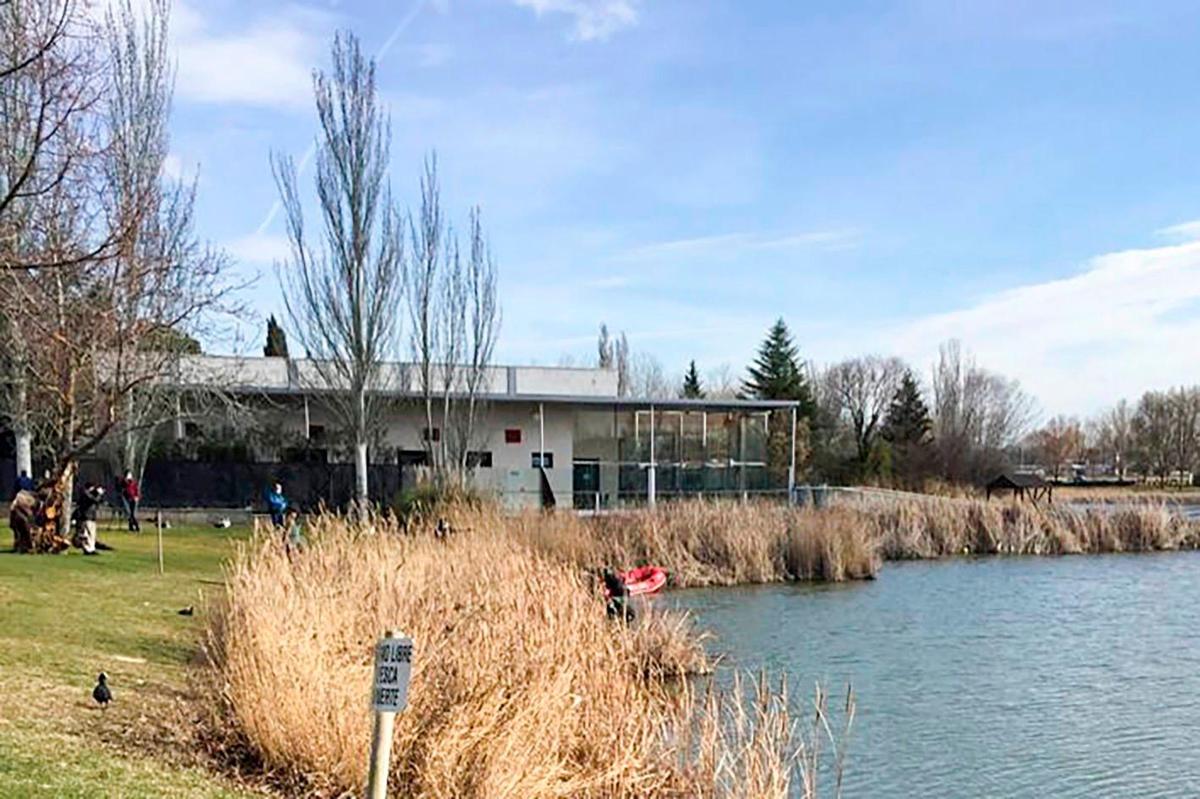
(1019,677)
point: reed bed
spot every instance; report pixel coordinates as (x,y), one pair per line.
(935,527)
(701,543)
(521,686)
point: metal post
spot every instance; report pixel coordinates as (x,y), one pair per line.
(307,420)
(792,466)
(158,525)
(742,455)
(651,487)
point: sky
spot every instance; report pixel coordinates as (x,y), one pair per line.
(1022,176)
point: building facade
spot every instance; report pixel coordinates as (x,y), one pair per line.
(543,435)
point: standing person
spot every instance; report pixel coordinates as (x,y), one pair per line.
(131,494)
(23,483)
(85,517)
(277,503)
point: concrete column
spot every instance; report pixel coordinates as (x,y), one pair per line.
(651,488)
(792,461)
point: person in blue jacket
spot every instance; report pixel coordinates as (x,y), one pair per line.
(24,483)
(277,503)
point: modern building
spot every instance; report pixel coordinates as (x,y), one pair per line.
(543,435)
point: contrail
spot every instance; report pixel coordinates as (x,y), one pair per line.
(401,26)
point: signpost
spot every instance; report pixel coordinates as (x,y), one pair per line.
(389,695)
(158,521)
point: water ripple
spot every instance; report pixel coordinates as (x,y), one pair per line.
(1018,677)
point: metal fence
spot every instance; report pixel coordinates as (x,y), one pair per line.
(202,484)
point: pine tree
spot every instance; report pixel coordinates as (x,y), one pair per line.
(907,422)
(907,429)
(692,389)
(276,346)
(777,372)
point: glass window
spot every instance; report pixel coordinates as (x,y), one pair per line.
(538,461)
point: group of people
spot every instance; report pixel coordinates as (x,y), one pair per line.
(87,505)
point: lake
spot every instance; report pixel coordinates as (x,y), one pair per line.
(1002,677)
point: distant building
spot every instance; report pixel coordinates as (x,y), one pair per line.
(597,450)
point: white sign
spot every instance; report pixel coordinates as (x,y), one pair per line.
(393,667)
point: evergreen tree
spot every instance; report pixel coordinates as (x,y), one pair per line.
(777,372)
(907,429)
(276,346)
(907,420)
(604,348)
(692,389)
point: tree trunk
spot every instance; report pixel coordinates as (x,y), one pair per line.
(20,425)
(360,472)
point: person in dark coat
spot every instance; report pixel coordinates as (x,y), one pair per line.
(131,495)
(23,483)
(86,509)
(618,606)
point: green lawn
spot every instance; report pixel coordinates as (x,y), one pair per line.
(63,618)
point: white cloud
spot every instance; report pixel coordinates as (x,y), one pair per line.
(268,63)
(259,248)
(731,244)
(1125,324)
(594,19)
(1184,231)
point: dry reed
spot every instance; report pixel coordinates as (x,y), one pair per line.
(935,527)
(521,686)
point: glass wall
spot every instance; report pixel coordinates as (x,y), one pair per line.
(695,452)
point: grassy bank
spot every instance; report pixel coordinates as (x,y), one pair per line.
(521,686)
(65,617)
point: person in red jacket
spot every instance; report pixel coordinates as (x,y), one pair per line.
(131,495)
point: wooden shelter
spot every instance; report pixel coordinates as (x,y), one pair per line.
(1021,485)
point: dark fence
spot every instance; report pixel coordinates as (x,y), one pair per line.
(202,484)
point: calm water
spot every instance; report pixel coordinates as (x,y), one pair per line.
(1029,677)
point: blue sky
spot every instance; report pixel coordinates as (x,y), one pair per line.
(1021,175)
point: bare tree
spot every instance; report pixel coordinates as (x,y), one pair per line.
(721,382)
(428,232)
(648,379)
(861,390)
(342,295)
(481,315)
(1151,428)
(93,332)
(977,414)
(1184,406)
(1112,436)
(52,82)
(454,325)
(1059,441)
(624,376)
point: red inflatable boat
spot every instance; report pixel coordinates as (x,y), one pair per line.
(644,580)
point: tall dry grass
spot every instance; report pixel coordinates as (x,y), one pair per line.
(700,543)
(725,543)
(521,686)
(936,527)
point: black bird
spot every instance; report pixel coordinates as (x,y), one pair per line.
(188,611)
(101,693)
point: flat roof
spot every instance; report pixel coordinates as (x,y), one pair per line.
(628,403)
